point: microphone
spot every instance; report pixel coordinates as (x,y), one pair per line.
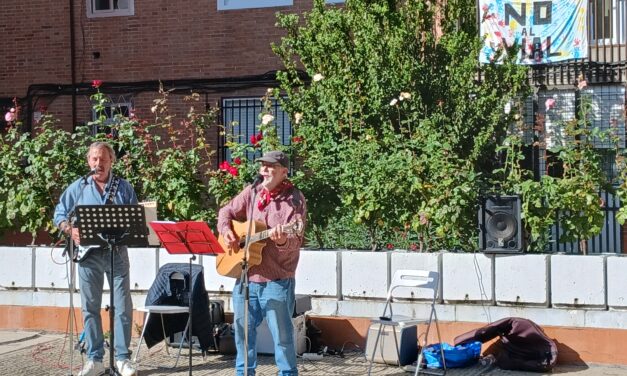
(90,173)
(258,180)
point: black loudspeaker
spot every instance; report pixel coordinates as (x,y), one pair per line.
(500,228)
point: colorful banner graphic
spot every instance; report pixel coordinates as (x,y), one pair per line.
(546,31)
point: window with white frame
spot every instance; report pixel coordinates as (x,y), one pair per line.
(249,4)
(241,119)
(110,8)
(607,21)
(114,110)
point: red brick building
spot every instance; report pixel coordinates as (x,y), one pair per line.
(221,49)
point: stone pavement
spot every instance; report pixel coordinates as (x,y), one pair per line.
(40,353)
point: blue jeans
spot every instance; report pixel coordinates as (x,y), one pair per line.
(273,301)
(91,274)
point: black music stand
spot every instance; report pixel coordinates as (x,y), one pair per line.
(191,238)
(112,226)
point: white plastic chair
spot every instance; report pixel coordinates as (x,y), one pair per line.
(420,280)
(164,310)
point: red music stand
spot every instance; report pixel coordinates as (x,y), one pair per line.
(187,237)
(192,238)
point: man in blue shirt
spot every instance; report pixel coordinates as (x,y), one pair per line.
(100,187)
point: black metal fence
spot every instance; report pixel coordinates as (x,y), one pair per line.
(610,240)
(241,119)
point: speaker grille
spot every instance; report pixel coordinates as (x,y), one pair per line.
(500,228)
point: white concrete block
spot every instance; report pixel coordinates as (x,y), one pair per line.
(467,277)
(51,269)
(577,281)
(616,282)
(166,258)
(16,267)
(541,316)
(418,261)
(606,319)
(364,274)
(143,267)
(360,308)
(324,306)
(215,282)
(521,279)
(317,273)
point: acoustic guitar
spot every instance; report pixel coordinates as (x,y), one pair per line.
(229,263)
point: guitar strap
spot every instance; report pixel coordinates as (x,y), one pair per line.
(113,190)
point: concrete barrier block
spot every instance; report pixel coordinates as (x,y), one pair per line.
(606,319)
(317,273)
(364,274)
(577,281)
(467,277)
(143,267)
(52,270)
(215,282)
(166,258)
(616,282)
(418,261)
(16,270)
(521,279)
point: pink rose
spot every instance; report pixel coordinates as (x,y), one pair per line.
(9,117)
(549,104)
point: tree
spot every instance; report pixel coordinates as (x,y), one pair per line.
(396,124)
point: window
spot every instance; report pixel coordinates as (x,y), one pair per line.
(606,114)
(110,8)
(248,4)
(607,21)
(241,118)
(117,107)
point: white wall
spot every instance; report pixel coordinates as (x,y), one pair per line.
(561,290)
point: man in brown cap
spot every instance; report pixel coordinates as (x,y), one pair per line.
(275,202)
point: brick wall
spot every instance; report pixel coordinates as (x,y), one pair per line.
(162,41)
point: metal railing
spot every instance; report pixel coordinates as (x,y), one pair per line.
(240,117)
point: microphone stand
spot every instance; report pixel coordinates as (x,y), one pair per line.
(244,278)
(72,276)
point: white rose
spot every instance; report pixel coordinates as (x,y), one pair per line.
(266,119)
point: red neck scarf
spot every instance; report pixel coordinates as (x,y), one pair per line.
(266,196)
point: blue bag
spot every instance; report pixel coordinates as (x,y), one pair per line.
(455,357)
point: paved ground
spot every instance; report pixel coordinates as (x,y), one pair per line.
(39,353)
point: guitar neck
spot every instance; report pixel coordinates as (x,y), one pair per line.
(260,236)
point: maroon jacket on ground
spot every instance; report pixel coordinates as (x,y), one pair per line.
(523,344)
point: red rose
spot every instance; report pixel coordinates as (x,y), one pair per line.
(253,140)
(237,161)
(233,171)
(224,166)
(389,246)
(96,84)
(297,139)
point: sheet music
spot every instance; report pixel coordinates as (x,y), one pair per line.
(150,209)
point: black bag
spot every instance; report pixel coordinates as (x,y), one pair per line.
(216,311)
(224,339)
